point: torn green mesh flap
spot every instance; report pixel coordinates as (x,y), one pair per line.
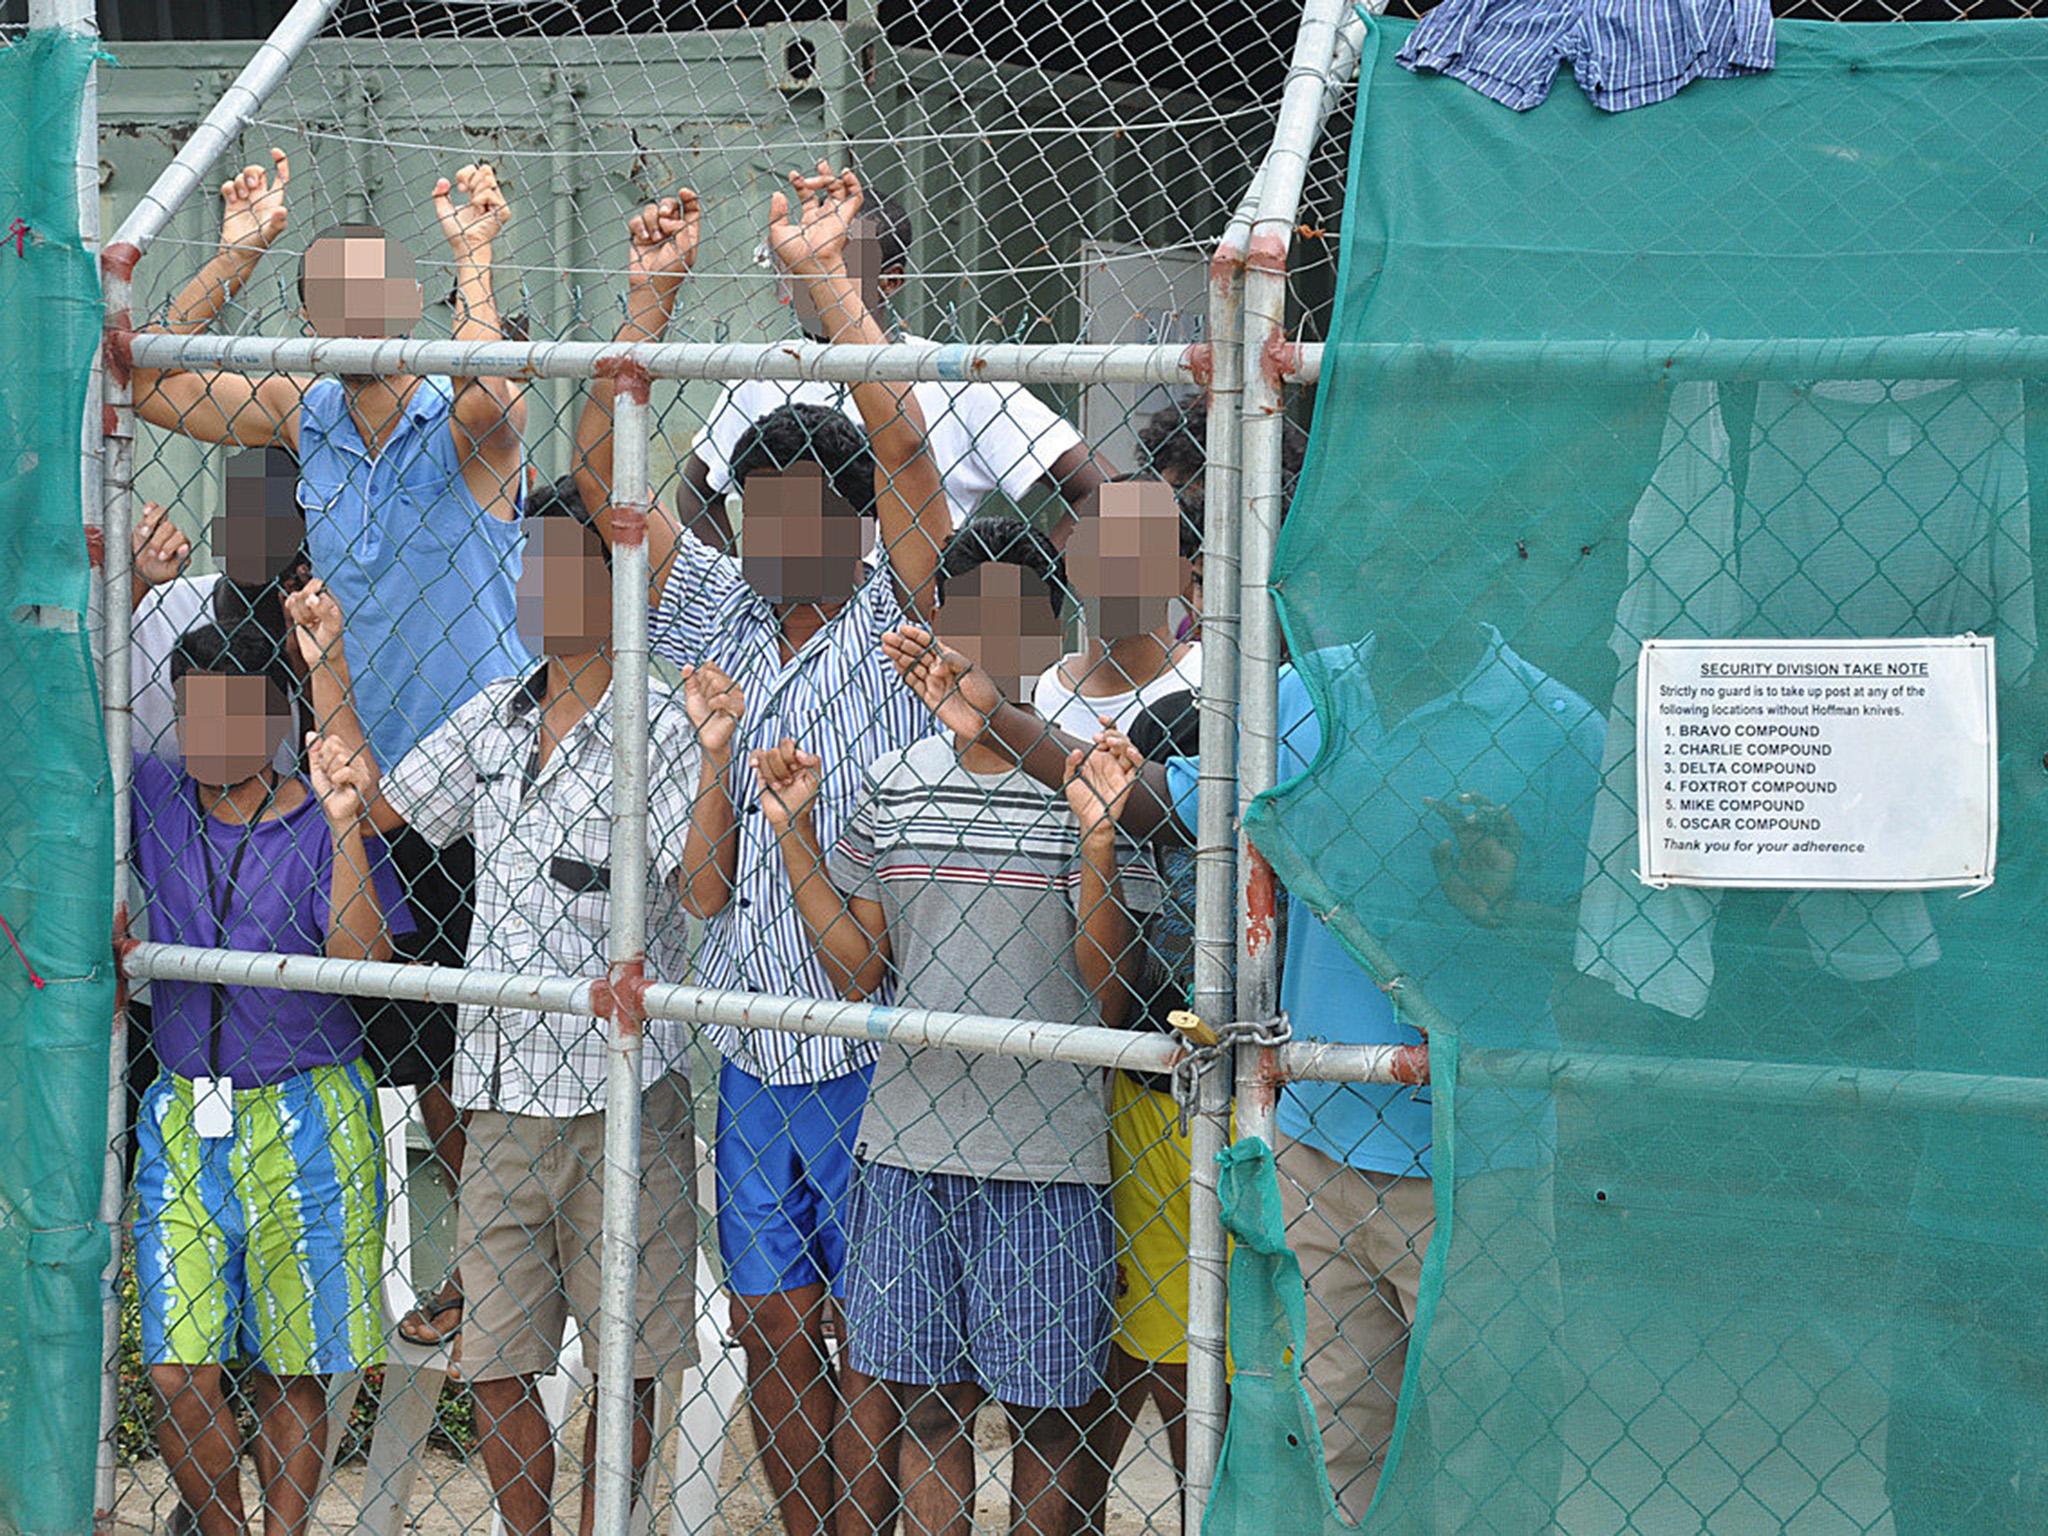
(1751,1191)
(56,835)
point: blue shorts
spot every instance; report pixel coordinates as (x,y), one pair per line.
(783,1154)
(995,1281)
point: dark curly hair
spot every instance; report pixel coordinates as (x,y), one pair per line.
(560,498)
(1004,541)
(246,651)
(1176,442)
(810,434)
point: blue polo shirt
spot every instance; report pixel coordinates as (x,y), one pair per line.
(1508,732)
(426,577)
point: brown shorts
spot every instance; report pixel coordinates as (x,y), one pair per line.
(531,1238)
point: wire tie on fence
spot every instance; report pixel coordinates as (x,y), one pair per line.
(34,980)
(1223,1038)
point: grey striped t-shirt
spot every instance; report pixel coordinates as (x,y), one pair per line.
(977,875)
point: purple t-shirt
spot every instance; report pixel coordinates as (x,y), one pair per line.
(277,903)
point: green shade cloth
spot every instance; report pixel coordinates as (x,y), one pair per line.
(56,823)
(1737,1237)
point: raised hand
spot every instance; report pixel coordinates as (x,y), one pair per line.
(252,206)
(952,687)
(344,776)
(812,243)
(789,783)
(315,618)
(1098,784)
(716,706)
(480,219)
(663,241)
(158,549)
(1477,863)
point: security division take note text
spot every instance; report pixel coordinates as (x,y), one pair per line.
(1804,764)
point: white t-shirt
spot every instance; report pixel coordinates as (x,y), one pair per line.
(164,614)
(985,437)
(1060,704)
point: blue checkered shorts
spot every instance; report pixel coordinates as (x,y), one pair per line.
(995,1281)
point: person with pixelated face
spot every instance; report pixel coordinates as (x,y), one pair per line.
(525,770)
(258,541)
(794,621)
(979,1240)
(411,493)
(259,1161)
(257,538)
(987,438)
(1136,564)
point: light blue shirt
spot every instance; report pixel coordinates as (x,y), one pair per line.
(1508,732)
(427,578)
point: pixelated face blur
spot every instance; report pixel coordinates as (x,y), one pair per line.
(1124,560)
(260,528)
(229,728)
(1002,618)
(361,285)
(799,540)
(863,257)
(565,592)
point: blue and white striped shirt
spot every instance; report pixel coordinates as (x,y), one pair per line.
(839,697)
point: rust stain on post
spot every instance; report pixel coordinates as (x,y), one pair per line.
(1279,359)
(1267,253)
(115,348)
(621,997)
(1410,1064)
(632,379)
(629,525)
(1258,901)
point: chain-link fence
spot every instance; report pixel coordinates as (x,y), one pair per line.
(662,757)
(639,656)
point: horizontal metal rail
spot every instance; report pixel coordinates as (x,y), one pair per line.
(356,978)
(1081,1044)
(1697,1078)
(1018,362)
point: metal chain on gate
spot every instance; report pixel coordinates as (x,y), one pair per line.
(1212,1042)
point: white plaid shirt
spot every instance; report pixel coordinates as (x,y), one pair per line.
(839,697)
(543,903)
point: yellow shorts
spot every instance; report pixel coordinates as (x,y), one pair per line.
(1149,1161)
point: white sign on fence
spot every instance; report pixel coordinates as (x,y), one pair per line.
(1797,764)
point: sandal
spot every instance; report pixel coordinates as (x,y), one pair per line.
(420,1327)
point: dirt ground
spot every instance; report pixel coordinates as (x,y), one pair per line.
(451,1496)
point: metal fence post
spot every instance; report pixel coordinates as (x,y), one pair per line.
(109,486)
(1215,861)
(627,990)
(1266,363)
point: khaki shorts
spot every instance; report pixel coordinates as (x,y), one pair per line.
(531,1238)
